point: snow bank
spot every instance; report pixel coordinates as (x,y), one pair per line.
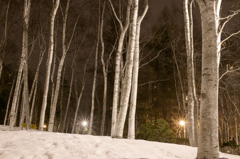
(44,145)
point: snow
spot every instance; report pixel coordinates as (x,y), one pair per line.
(34,144)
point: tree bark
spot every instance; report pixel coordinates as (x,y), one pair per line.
(128,72)
(80,96)
(94,76)
(118,65)
(104,73)
(133,102)
(208,147)
(9,100)
(190,71)
(49,63)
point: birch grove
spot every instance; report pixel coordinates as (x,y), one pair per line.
(48,64)
(182,80)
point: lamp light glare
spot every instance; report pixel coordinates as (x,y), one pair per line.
(182,123)
(84,123)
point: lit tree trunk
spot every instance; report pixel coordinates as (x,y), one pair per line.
(70,94)
(94,77)
(61,100)
(35,81)
(4,41)
(65,48)
(9,100)
(18,101)
(104,73)
(128,72)
(23,67)
(133,102)
(49,63)
(208,147)
(118,65)
(190,72)
(33,101)
(80,96)
(236,126)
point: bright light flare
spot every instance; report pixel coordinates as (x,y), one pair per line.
(84,123)
(44,126)
(182,123)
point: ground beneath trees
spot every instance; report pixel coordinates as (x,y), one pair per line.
(44,145)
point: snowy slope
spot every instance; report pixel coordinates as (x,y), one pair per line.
(44,145)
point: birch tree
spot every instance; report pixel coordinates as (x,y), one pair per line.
(125,94)
(65,48)
(190,68)
(22,66)
(95,74)
(123,30)
(48,64)
(208,146)
(133,102)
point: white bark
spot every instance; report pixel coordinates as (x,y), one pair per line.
(117,66)
(128,72)
(69,95)
(65,48)
(49,63)
(9,99)
(208,146)
(104,74)
(80,96)
(190,72)
(236,127)
(23,65)
(133,102)
(94,77)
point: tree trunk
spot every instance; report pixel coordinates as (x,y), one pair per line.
(208,147)
(49,63)
(94,76)
(104,73)
(23,65)
(80,96)
(236,127)
(9,100)
(133,102)
(69,95)
(118,66)
(190,72)
(128,72)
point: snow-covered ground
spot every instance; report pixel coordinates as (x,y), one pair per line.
(44,145)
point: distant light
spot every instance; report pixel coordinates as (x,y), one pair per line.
(44,126)
(84,123)
(182,123)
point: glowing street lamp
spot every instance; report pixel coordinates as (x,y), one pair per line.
(84,123)
(182,123)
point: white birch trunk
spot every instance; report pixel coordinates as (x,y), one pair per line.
(236,127)
(65,48)
(104,74)
(49,63)
(94,76)
(69,95)
(9,99)
(33,101)
(208,146)
(80,96)
(118,66)
(23,63)
(190,68)
(133,102)
(128,72)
